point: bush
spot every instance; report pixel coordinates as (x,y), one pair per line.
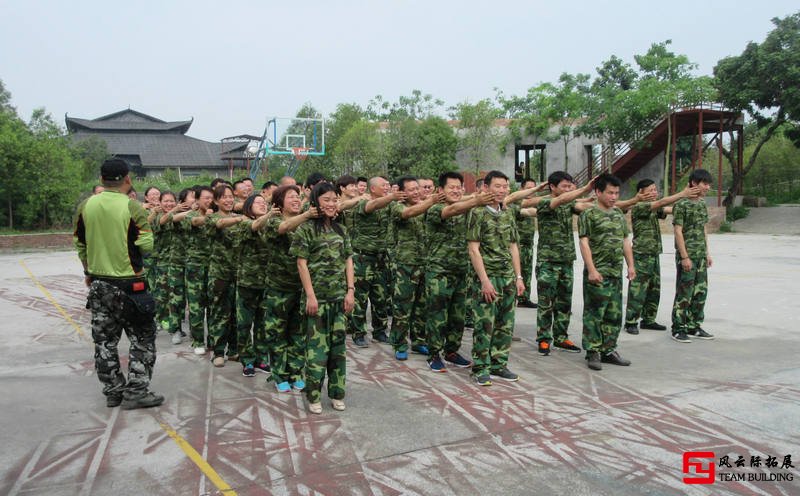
(736,213)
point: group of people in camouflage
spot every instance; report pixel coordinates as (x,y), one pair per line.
(279,277)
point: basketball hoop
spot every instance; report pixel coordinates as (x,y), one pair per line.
(300,153)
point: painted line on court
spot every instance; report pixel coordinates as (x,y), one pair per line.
(198,460)
(53,300)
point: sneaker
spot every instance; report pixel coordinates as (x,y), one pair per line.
(361,342)
(380,337)
(615,358)
(653,326)
(544,348)
(505,374)
(218,361)
(146,400)
(337,405)
(593,360)
(458,360)
(567,345)
(699,333)
(527,304)
(262,367)
(233,357)
(248,371)
(200,350)
(283,387)
(482,380)
(299,385)
(401,355)
(315,408)
(421,349)
(176,338)
(113,400)
(681,337)
(436,364)
(632,329)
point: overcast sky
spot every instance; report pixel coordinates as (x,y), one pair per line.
(230,65)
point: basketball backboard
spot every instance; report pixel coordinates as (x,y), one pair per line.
(294,135)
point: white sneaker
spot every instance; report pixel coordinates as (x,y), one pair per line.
(176,337)
(315,407)
(200,350)
(338,405)
(218,361)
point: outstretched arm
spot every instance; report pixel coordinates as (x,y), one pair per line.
(464,206)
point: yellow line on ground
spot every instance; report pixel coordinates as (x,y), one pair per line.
(199,461)
(52,300)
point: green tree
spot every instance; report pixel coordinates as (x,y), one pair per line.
(764,82)
(529,117)
(479,135)
(569,103)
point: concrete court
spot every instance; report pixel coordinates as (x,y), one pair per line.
(562,429)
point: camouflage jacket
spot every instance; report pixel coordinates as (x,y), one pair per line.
(281,269)
(370,230)
(556,242)
(606,230)
(646,231)
(495,231)
(326,253)
(198,241)
(224,251)
(446,242)
(526,226)
(253,256)
(409,236)
(693,216)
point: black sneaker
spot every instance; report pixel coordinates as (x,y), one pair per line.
(380,337)
(505,374)
(527,304)
(249,371)
(113,400)
(482,380)
(457,360)
(653,326)
(615,358)
(361,342)
(567,345)
(262,367)
(544,347)
(146,400)
(681,337)
(632,329)
(699,333)
(593,360)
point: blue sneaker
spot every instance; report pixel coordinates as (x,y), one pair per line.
(401,355)
(436,364)
(283,387)
(421,349)
(299,384)
(458,360)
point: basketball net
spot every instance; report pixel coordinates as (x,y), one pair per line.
(300,153)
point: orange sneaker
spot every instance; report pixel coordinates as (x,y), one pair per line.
(544,347)
(567,345)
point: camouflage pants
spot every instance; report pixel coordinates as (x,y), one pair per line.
(372,276)
(250,330)
(197,297)
(469,303)
(554,290)
(602,314)
(325,351)
(526,265)
(494,326)
(446,296)
(112,311)
(151,275)
(409,307)
(690,296)
(161,294)
(222,316)
(644,292)
(176,298)
(285,341)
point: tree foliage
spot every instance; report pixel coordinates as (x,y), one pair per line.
(479,136)
(764,81)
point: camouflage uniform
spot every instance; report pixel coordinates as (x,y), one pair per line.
(602,307)
(644,292)
(494,322)
(326,253)
(222,289)
(691,285)
(176,276)
(285,341)
(409,281)
(371,262)
(526,226)
(445,281)
(162,241)
(112,311)
(250,282)
(198,252)
(554,275)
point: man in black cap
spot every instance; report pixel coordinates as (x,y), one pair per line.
(111,235)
